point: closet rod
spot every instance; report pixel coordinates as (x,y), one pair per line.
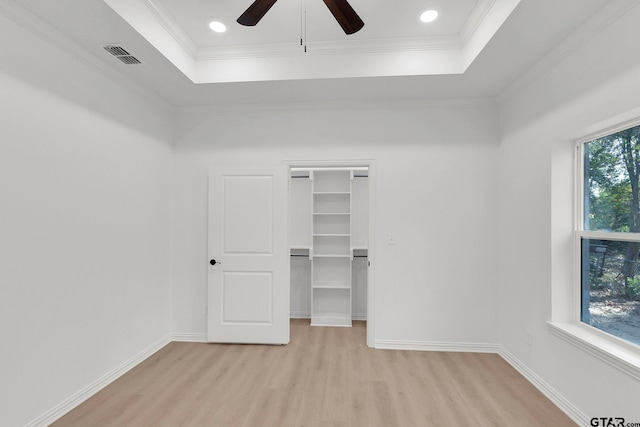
(307,256)
(330,168)
(355,176)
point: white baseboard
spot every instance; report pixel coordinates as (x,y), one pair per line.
(189,337)
(300,315)
(560,401)
(76,399)
(307,315)
(435,346)
(73,401)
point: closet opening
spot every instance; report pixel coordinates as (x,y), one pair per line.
(329,236)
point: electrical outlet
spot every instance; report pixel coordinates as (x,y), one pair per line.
(391,239)
(530,338)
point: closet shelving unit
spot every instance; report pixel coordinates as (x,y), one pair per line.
(329,239)
(331,252)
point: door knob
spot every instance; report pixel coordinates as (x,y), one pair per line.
(214,262)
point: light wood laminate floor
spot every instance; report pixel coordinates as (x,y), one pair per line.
(324,377)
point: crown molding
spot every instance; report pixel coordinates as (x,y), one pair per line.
(210,53)
(478,14)
(372,105)
(32,23)
(398,56)
(592,27)
(406,44)
(167,21)
(203,53)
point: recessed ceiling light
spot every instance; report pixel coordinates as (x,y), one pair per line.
(429,16)
(218,27)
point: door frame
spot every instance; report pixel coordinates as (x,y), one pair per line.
(370,164)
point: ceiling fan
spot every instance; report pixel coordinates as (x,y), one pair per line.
(347,18)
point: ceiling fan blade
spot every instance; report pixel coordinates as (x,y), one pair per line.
(345,15)
(255,12)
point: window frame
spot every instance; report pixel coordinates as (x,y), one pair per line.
(614,350)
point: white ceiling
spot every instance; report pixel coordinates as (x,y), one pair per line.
(299,39)
(282,24)
(378,63)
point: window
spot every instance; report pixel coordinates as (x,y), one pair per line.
(608,237)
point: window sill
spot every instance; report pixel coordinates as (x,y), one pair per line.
(618,354)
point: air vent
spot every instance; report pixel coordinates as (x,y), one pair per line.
(121,53)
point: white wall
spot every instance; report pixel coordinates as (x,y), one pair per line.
(87,177)
(436,188)
(597,82)
(84,225)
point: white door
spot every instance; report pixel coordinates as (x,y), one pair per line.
(248,255)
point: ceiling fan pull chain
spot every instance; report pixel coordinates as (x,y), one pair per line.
(303,24)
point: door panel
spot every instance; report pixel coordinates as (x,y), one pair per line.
(248,219)
(246,298)
(248,238)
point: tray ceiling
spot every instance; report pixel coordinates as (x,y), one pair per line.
(299,39)
(478,50)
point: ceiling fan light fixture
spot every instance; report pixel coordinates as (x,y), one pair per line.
(217,26)
(341,10)
(429,15)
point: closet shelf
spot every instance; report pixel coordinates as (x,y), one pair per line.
(331,213)
(316,255)
(331,255)
(331,319)
(332,285)
(332,192)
